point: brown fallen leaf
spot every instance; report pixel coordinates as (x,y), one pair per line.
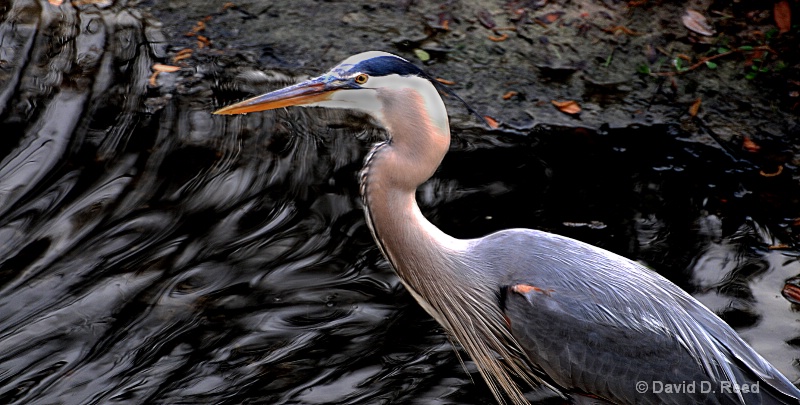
(695,21)
(445,81)
(777,172)
(203,41)
(568,107)
(550,18)
(501,38)
(749,145)
(445,23)
(102,3)
(491,121)
(791,292)
(695,108)
(182,54)
(783,16)
(509,94)
(616,29)
(159,67)
(754,57)
(153,77)
(199,26)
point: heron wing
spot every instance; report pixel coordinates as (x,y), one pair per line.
(580,354)
(615,317)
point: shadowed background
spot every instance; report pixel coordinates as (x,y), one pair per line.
(153,253)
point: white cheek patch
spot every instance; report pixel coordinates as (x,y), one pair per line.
(365,100)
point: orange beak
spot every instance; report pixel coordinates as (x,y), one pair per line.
(308,92)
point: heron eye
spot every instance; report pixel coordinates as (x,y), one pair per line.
(361,78)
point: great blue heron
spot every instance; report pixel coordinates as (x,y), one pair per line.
(545,308)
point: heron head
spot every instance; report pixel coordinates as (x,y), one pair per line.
(388,87)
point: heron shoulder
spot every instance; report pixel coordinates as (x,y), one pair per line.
(611,290)
(542,252)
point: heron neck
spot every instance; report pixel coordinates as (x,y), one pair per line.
(436,268)
(417,249)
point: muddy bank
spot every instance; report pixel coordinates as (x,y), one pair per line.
(595,53)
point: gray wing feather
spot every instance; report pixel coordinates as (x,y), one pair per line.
(632,313)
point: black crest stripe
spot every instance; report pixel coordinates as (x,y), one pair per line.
(387,65)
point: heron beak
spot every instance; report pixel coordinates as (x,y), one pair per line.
(308,92)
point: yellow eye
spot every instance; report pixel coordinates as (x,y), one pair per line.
(361,78)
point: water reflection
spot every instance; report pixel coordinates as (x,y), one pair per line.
(152,253)
(740,279)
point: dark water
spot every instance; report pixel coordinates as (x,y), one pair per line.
(153,253)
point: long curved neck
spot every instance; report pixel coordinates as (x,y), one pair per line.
(416,248)
(430,263)
(419,133)
(420,253)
